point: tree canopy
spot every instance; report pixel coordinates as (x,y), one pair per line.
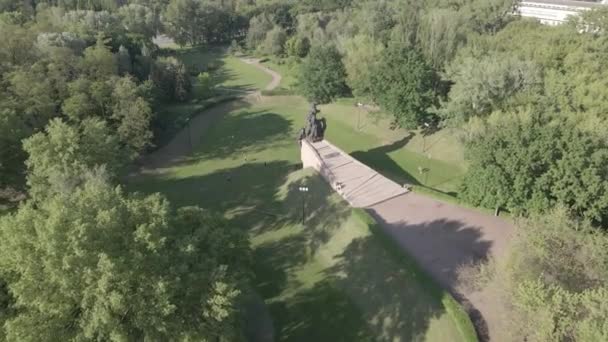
(404,85)
(322,76)
(554,279)
(97,263)
(529,162)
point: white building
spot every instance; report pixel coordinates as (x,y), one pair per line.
(555,12)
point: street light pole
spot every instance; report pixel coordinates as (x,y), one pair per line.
(190,136)
(304,191)
(426,126)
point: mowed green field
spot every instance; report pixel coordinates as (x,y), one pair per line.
(327,279)
(433,163)
(231,77)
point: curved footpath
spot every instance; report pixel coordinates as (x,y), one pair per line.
(442,237)
(180,147)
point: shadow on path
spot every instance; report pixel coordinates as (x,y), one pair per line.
(378,159)
(441,247)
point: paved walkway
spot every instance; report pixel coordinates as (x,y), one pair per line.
(358,184)
(442,237)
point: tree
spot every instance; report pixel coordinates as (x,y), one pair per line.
(132,115)
(554,278)
(59,156)
(138,19)
(490,83)
(258,27)
(48,42)
(12,130)
(205,83)
(275,41)
(184,22)
(322,77)
(98,61)
(362,55)
(440,35)
(16,48)
(529,162)
(123,59)
(136,269)
(6,303)
(403,85)
(31,94)
(377,20)
(171,76)
(297,46)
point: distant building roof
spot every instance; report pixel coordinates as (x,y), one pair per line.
(568,3)
(555,12)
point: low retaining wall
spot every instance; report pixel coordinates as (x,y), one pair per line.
(360,185)
(311,158)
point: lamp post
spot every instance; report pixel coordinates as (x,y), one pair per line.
(426,126)
(304,191)
(190,136)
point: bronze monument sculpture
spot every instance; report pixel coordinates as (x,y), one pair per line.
(315,128)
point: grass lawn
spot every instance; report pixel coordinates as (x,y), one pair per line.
(288,73)
(329,279)
(398,154)
(433,164)
(231,78)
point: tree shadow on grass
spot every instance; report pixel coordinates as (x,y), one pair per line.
(440,248)
(252,185)
(321,313)
(366,295)
(378,159)
(248,131)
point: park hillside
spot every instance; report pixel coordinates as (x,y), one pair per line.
(151,186)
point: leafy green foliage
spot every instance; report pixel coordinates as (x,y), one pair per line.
(60,156)
(297,47)
(362,58)
(322,76)
(275,41)
(171,77)
(133,116)
(205,83)
(258,28)
(136,269)
(555,277)
(404,85)
(184,21)
(482,85)
(530,162)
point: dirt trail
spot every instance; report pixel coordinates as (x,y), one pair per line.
(276,77)
(181,146)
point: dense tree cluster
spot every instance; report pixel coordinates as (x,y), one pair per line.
(94,263)
(80,87)
(553,280)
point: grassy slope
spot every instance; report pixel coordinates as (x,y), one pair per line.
(398,154)
(327,280)
(231,78)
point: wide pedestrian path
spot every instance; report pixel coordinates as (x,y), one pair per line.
(357,183)
(442,237)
